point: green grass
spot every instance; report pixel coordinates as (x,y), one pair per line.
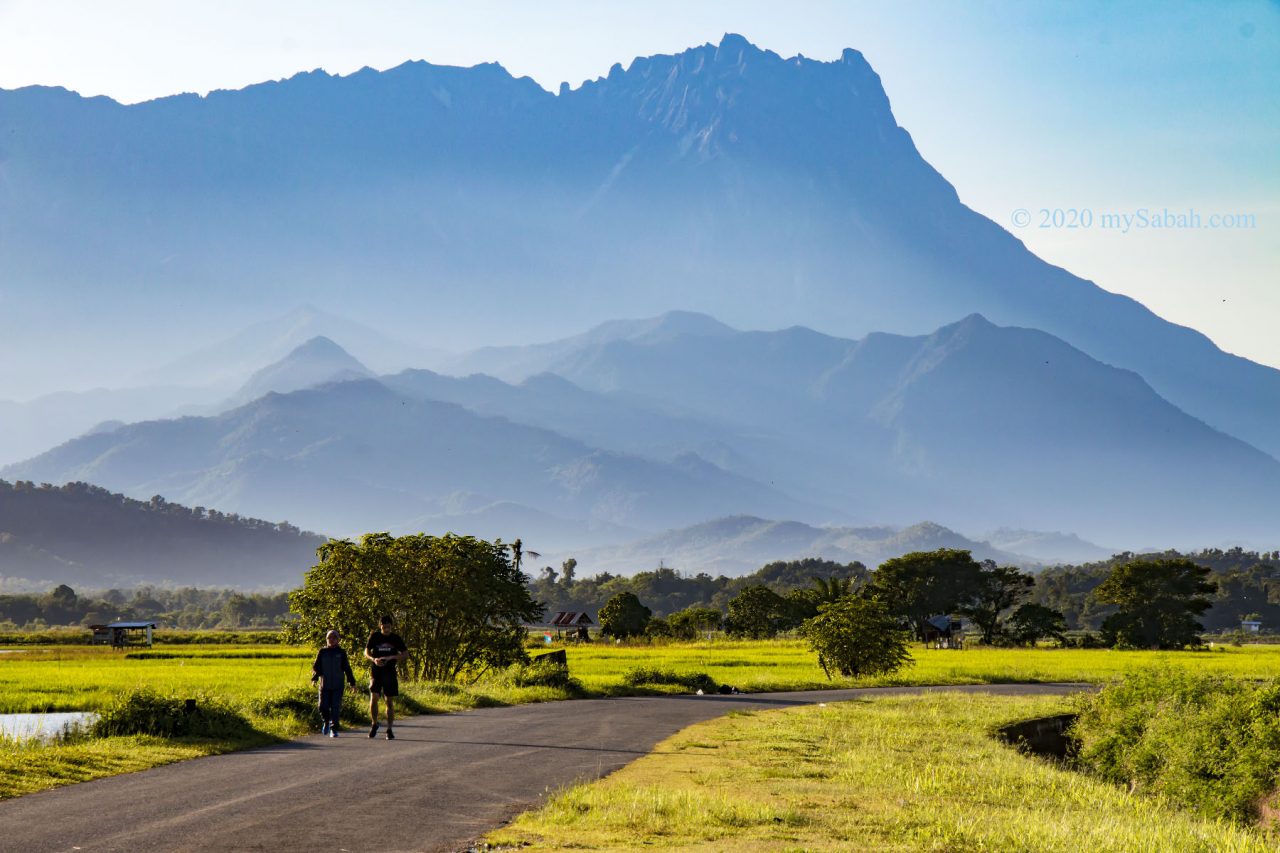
(68,678)
(908,774)
(790,665)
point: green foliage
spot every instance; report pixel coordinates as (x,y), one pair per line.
(1032,622)
(921,584)
(1205,742)
(758,613)
(689,623)
(542,672)
(857,636)
(624,616)
(459,601)
(301,705)
(1157,603)
(998,588)
(146,712)
(646,675)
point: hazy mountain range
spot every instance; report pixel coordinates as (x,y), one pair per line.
(914,360)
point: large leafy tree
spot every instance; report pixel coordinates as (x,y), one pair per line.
(624,616)
(1033,622)
(1159,603)
(459,602)
(998,589)
(759,613)
(857,636)
(921,584)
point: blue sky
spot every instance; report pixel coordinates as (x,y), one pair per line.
(1046,108)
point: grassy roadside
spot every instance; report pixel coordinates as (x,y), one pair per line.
(900,774)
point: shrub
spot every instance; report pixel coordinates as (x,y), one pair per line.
(543,673)
(1206,742)
(302,704)
(857,636)
(641,676)
(145,712)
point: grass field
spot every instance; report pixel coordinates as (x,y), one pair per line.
(66,678)
(909,774)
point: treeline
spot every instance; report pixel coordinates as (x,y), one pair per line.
(1248,587)
(665,591)
(189,608)
(84,535)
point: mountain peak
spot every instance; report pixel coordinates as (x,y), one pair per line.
(316,361)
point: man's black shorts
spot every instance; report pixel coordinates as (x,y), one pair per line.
(383,680)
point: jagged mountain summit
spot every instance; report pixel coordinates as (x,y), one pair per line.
(475,206)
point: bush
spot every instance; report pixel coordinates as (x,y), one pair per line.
(145,712)
(641,676)
(303,705)
(1205,742)
(857,636)
(542,673)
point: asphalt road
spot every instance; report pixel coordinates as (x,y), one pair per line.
(444,781)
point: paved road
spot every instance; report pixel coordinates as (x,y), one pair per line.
(445,780)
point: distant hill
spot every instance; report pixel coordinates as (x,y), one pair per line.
(356,456)
(1049,547)
(314,362)
(978,425)
(737,545)
(86,536)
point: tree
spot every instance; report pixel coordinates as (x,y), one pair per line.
(624,616)
(998,589)
(921,584)
(857,636)
(759,613)
(687,624)
(1158,603)
(567,569)
(1032,623)
(459,602)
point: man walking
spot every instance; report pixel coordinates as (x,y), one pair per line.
(384,650)
(330,667)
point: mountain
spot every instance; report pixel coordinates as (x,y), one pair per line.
(356,456)
(227,362)
(30,427)
(475,208)
(975,424)
(315,362)
(736,545)
(84,535)
(1049,547)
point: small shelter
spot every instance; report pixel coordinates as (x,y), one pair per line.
(1250,626)
(121,634)
(572,620)
(944,632)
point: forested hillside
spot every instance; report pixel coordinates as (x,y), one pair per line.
(86,536)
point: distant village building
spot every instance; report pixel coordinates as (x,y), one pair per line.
(1250,626)
(573,620)
(121,634)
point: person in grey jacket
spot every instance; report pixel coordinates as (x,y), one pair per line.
(330,666)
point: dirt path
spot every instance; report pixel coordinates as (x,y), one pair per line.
(445,780)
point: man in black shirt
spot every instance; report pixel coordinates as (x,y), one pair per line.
(384,650)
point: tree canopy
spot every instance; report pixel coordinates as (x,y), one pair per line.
(921,584)
(624,616)
(459,602)
(1158,603)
